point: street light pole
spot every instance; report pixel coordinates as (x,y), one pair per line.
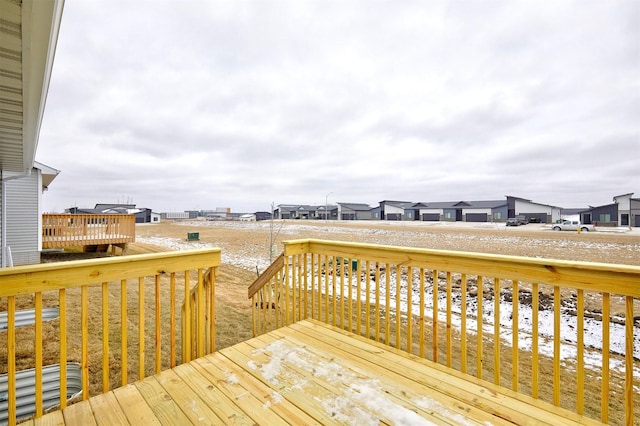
(326,207)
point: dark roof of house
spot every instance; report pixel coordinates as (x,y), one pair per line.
(482,204)
(111,206)
(356,206)
(400,204)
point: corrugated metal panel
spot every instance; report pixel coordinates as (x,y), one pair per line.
(28,317)
(23,218)
(25,389)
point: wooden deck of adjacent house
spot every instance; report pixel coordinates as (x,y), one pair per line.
(311,373)
(84,230)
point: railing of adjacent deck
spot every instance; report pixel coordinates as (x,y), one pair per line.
(557,330)
(71,230)
(119,318)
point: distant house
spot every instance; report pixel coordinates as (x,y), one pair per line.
(23,219)
(247,217)
(143,215)
(305,211)
(286,211)
(331,212)
(263,215)
(542,213)
(174,215)
(628,210)
(462,211)
(354,211)
(605,215)
(396,210)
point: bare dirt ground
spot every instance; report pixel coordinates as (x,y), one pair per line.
(252,238)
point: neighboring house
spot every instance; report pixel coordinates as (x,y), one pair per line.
(247,217)
(376,213)
(285,211)
(143,215)
(23,213)
(628,210)
(354,211)
(462,211)
(156,217)
(542,213)
(305,211)
(28,37)
(174,215)
(263,215)
(331,212)
(396,210)
(605,215)
(308,212)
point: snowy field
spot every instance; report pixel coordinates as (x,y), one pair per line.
(250,256)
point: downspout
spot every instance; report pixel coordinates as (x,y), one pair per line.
(3,210)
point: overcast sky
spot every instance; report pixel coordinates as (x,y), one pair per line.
(179,105)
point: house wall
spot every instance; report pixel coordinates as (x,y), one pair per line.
(500,213)
(393,213)
(485,211)
(530,209)
(602,215)
(634,220)
(624,203)
(449,215)
(363,215)
(23,218)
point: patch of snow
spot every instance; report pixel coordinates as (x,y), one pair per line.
(232,379)
(357,399)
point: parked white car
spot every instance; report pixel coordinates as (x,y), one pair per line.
(572,225)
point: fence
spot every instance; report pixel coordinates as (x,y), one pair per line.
(556,330)
(118,318)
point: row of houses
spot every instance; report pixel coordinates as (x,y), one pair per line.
(624,211)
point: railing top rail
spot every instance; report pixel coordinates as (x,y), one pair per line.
(266,275)
(52,276)
(592,276)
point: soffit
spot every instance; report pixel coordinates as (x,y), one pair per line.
(28,36)
(11,101)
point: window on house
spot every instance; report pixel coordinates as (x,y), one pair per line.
(447,215)
(605,217)
(497,215)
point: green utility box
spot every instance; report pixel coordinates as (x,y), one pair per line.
(193,236)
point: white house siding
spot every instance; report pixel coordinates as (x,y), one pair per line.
(624,207)
(430,211)
(23,219)
(523,207)
(486,211)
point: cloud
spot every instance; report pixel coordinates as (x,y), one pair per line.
(241,104)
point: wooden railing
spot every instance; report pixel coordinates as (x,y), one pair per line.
(559,331)
(71,230)
(118,318)
(198,314)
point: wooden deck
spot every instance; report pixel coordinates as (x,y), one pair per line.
(311,373)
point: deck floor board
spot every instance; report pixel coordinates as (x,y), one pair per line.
(312,373)
(107,411)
